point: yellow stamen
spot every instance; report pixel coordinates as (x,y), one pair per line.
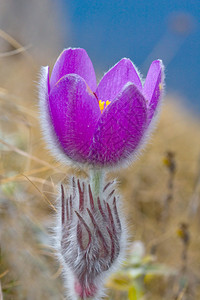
(102,103)
(107,103)
(160,86)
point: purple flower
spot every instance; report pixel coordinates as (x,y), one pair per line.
(100,125)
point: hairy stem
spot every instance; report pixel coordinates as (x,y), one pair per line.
(97,179)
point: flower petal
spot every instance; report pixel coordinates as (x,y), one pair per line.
(115,79)
(74,61)
(45,119)
(74,112)
(120,128)
(153,87)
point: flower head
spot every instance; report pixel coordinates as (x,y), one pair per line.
(102,125)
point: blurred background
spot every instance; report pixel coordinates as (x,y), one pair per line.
(160,192)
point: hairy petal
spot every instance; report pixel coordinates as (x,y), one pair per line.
(74,61)
(45,119)
(120,128)
(153,87)
(74,112)
(43,101)
(115,79)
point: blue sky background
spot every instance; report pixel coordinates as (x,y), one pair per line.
(142,31)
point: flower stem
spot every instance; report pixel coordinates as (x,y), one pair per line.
(97,179)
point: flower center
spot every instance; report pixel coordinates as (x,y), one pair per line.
(102,103)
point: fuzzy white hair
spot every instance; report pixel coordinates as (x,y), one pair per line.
(87,263)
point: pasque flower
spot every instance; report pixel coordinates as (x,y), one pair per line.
(102,125)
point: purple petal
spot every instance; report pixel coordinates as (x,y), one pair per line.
(74,112)
(115,79)
(120,128)
(74,61)
(153,87)
(45,119)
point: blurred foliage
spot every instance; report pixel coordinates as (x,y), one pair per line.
(139,273)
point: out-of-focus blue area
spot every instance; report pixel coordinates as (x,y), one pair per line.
(142,31)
